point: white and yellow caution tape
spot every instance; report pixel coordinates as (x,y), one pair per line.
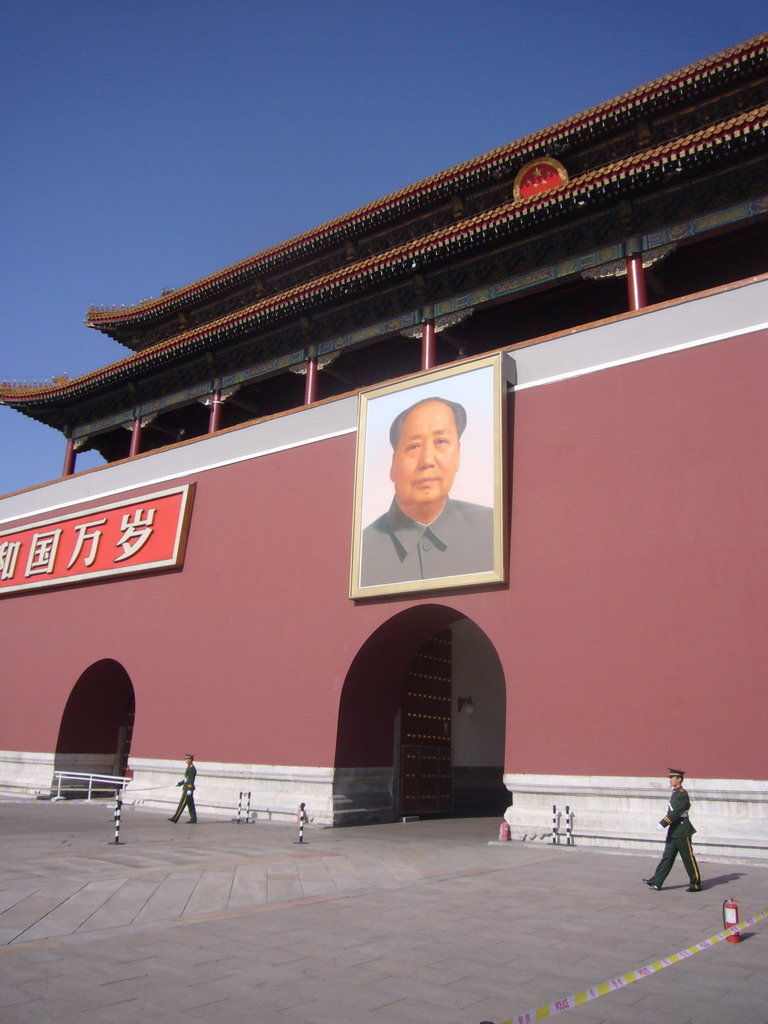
(578,998)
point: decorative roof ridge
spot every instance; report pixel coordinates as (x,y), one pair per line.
(738,126)
(343,226)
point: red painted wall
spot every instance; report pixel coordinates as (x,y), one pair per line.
(638,554)
(631,633)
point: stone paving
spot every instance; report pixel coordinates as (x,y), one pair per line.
(409,923)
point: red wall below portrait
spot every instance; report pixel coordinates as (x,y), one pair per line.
(631,631)
(637,593)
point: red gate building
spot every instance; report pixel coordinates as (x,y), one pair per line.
(205,589)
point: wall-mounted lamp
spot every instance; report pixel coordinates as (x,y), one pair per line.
(466,706)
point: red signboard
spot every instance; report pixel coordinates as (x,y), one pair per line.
(138,535)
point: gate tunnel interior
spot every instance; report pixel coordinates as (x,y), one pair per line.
(368,734)
(97,722)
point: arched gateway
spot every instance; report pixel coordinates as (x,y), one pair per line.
(421,722)
(97,722)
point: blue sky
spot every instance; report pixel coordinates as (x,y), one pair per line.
(148,144)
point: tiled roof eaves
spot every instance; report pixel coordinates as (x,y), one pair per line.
(445,181)
(458,237)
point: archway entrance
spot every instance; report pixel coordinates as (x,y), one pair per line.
(97,723)
(422,722)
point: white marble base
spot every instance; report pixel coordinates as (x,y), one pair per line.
(332,796)
(26,772)
(33,773)
(276,791)
(730,815)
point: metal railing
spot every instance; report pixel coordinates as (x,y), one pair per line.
(90,782)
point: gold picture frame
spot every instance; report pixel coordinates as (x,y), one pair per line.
(464,545)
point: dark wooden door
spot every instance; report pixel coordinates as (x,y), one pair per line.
(426,782)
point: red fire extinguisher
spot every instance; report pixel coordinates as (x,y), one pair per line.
(731,917)
(504,833)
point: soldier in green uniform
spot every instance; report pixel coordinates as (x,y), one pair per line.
(187,793)
(679,832)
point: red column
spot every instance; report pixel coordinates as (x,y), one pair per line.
(310,387)
(428,347)
(135,438)
(69,458)
(636,281)
(214,416)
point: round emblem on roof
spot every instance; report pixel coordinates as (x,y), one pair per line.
(539,175)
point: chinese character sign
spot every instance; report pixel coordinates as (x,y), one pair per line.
(126,537)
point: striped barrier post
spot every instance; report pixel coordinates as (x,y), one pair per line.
(556,816)
(240,819)
(118,812)
(302,818)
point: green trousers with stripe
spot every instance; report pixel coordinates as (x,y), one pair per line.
(673,846)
